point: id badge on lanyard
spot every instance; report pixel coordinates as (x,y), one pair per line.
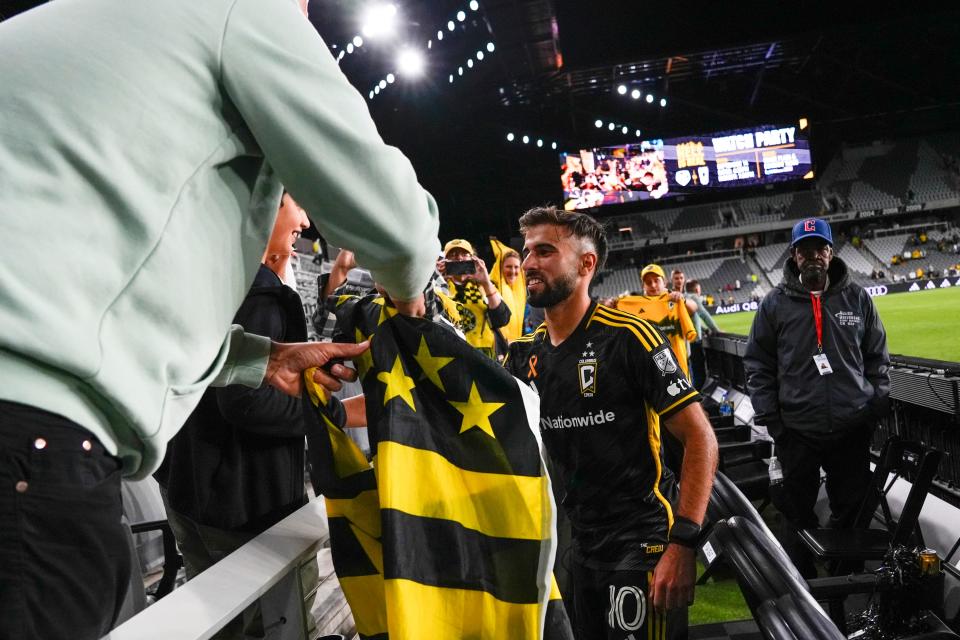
(820,360)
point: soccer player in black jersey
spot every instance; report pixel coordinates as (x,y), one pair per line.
(607,381)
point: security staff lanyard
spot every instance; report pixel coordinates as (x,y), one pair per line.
(820,359)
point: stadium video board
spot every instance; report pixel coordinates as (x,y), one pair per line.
(688,165)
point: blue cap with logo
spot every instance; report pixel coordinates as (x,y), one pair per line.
(811,228)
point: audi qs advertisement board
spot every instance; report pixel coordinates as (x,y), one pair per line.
(694,164)
(875,291)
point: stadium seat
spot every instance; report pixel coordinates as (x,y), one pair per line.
(914,462)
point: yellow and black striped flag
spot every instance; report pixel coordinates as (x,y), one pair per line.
(449,531)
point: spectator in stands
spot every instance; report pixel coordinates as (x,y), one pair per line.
(816,364)
(479,304)
(678,281)
(236,467)
(702,322)
(170,126)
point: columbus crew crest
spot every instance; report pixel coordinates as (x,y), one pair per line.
(587,372)
(665,362)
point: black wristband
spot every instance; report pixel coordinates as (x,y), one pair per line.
(684,532)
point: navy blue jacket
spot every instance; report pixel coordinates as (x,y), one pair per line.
(785,388)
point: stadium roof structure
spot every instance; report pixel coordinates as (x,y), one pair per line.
(550,69)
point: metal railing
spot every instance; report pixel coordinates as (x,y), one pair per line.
(266,568)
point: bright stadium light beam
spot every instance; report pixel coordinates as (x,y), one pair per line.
(598,123)
(391,78)
(663,102)
(411,62)
(510,137)
(624,130)
(649,98)
(450,25)
(474,5)
(611,126)
(553,145)
(490,47)
(470,63)
(635,94)
(479,55)
(357,41)
(461,16)
(622,89)
(526,139)
(379,21)
(539,142)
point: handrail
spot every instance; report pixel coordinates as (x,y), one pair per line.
(267,567)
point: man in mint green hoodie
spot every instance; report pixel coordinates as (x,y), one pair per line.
(156,136)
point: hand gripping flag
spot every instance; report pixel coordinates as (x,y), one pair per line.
(449,532)
(514,295)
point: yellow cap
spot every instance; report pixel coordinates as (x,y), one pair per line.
(653,268)
(459,244)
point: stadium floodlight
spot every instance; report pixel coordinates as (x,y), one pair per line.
(371,95)
(383,85)
(553,145)
(349,47)
(470,63)
(510,137)
(624,130)
(479,55)
(459,71)
(391,78)
(663,102)
(611,126)
(649,98)
(340,55)
(451,78)
(450,25)
(598,124)
(461,16)
(474,5)
(376,90)
(526,139)
(439,35)
(357,41)
(490,47)
(410,62)
(622,89)
(637,133)
(539,142)
(379,21)
(635,94)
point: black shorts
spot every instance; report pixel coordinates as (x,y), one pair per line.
(613,605)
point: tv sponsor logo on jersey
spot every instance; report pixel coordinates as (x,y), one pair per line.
(678,386)
(590,420)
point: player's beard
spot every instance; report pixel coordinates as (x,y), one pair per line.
(552,293)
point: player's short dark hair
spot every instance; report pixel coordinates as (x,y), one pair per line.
(676,271)
(580,225)
(691,285)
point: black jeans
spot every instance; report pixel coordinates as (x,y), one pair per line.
(845,457)
(64,559)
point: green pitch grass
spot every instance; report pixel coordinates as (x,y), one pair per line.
(921,324)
